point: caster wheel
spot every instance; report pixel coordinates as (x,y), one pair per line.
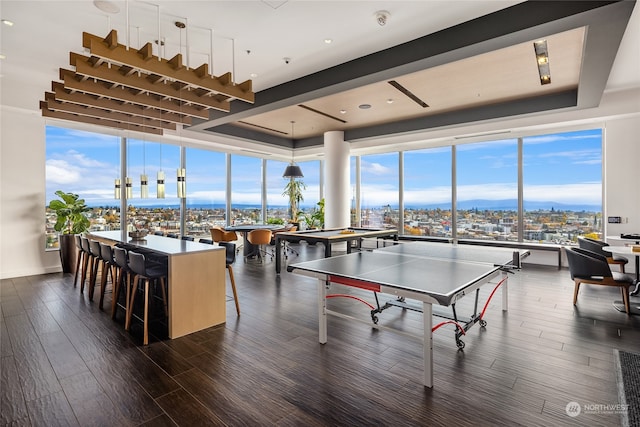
(460,345)
(374,319)
(483,323)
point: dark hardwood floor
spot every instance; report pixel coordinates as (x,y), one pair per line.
(65,362)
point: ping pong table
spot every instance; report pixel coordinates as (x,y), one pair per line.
(429,273)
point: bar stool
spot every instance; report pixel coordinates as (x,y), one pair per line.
(230,259)
(80,258)
(123,276)
(87,261)
(96,263)
(147,274)
(108,267)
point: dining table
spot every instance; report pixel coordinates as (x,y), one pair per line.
(248,249)
(628,251)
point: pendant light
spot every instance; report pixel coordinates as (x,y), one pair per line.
(160,178)
(182,182)
(292,171)
(144,179)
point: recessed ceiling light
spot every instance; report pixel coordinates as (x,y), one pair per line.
(343,111)
(389,101)
(7,22)
(328,41)
(2,56)
(106,6)
(364,106)
(253,75)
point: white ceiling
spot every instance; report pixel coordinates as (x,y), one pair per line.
(247,37)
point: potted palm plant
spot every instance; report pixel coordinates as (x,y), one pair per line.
(70,210)
(293,191)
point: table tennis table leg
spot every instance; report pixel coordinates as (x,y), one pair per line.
(427,347)
(505,292)
(322,311)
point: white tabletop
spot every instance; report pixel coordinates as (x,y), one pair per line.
(620,250)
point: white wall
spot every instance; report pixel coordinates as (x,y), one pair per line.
(622,172)
(22,176)
(22,196)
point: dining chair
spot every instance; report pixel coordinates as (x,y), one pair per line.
(188,238)
(260,238)
(592,268)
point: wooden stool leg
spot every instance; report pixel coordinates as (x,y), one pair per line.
(164,296)
(625,298)
(78,264)
(233,288)
(575,292)
(103,282)
(94,277)
(116,292)
(133,293)
(145,339)
(85,267)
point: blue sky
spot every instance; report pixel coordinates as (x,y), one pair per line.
(558,167)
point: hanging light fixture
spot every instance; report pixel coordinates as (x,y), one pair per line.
(160,178)
(182,183)
(144,179)
(129,187)
(292,171)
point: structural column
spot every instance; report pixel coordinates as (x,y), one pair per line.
(336,175)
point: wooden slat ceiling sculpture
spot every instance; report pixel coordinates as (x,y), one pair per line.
(134,90)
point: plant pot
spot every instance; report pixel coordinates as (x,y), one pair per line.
(68,252)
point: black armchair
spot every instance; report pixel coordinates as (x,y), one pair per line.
(596,246)
(592,268)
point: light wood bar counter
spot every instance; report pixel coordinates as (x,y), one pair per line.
(196,279)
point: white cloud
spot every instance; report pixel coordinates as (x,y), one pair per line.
(375,168)
(61,172)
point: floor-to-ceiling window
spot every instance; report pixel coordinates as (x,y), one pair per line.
(311,192)
(246,190)
(427,192)
(379,190)
(562,186)
(87,164)
(277,203)
(206,191)
(152,213)
(487,190)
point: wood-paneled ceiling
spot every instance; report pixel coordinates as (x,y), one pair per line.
(434,64)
